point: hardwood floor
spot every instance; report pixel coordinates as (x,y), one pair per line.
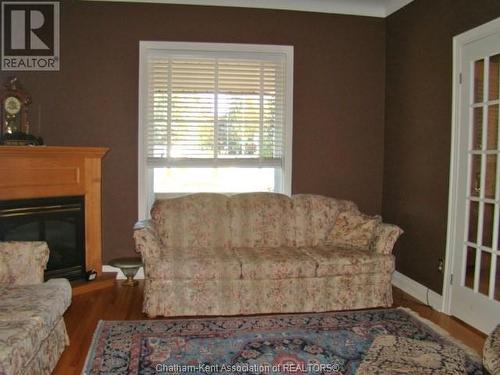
(125,303)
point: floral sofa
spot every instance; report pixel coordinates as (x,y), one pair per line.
(212,254)
(32,331)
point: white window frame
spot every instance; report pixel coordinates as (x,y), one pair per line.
(145,189)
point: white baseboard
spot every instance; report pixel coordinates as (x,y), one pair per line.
(417,290)
(120,275)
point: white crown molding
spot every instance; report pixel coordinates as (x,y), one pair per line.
(392,6)
(371,8)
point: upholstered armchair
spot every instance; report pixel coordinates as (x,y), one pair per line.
(32,330)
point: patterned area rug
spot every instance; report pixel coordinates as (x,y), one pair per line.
(321,343)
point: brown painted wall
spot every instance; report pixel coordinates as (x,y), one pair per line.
(418,126)
(338,94)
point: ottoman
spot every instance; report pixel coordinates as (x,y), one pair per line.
(491,352)
(393,355)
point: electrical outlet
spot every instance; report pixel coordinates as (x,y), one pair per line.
(440,265)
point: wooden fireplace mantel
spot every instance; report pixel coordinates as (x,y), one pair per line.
(48,171)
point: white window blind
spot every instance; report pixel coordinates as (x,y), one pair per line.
(215,109)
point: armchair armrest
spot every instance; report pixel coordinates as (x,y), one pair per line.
(386,236)
(147,240)
(23,263)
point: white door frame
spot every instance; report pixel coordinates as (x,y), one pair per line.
(459,42)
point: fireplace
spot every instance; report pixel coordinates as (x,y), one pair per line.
(58,221)
(50,171)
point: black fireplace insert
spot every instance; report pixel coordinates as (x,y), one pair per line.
(58,221)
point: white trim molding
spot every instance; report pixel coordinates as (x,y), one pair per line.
(370,8)
(417,290)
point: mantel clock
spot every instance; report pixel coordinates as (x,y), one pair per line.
(14,106)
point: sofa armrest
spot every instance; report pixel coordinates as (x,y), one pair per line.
(23,263)
(385,237)
(147,240)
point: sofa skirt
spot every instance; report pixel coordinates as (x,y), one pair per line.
(242,296)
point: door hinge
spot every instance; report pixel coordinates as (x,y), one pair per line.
(451,279)
(460,78)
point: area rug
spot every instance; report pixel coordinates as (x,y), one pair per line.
(320,343)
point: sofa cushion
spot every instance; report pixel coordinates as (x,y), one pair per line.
(45,302)
(194,264)
(354,230)
(275,263)
(332,260)
(261,220)
(315,216)
(197,221)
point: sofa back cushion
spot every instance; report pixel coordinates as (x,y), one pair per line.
(194,221)
(261,220)
(315,216)
(252,220)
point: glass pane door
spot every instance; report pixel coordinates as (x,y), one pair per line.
(482,244)
(473,291)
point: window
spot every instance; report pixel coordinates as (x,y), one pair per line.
(214,118)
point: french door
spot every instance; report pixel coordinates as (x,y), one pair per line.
(475,279)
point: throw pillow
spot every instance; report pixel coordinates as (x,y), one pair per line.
(354,230)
